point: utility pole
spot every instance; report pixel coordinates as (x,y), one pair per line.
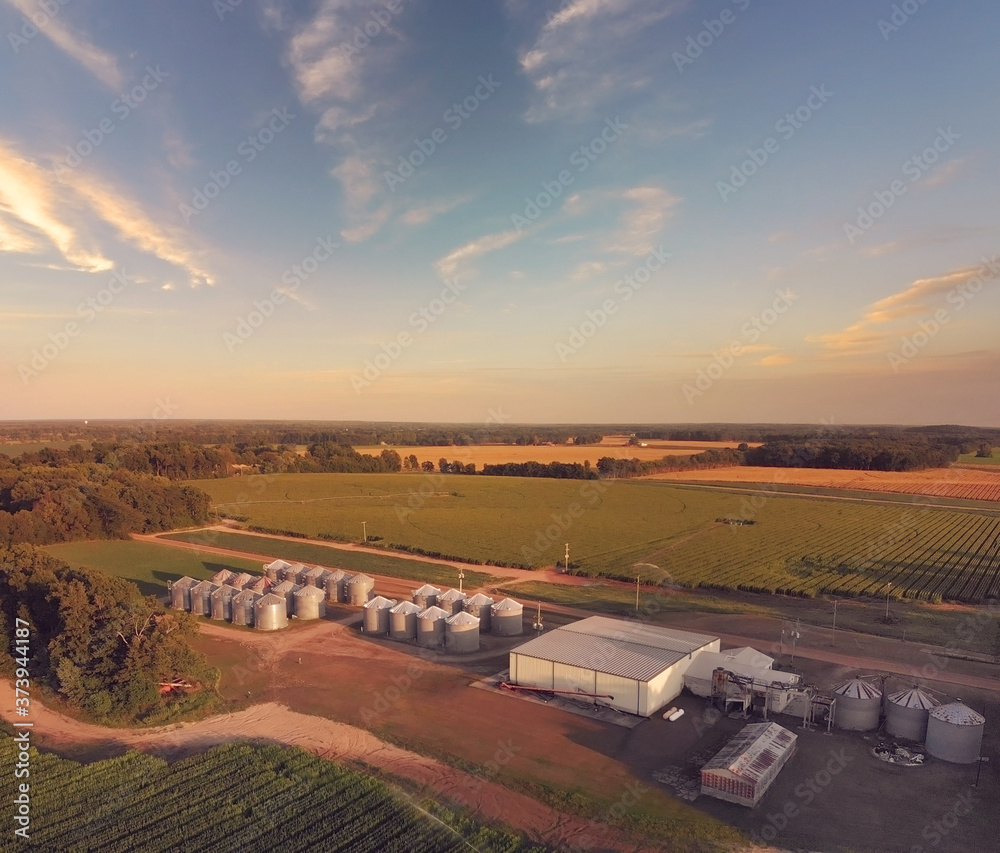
(364,531)
(461,577)
(567,558)
(888,589)
(636,593)
(835,603)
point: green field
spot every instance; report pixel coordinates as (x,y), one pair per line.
(657,530)
(972,459)
(17,448)
(146,565)
(237,798)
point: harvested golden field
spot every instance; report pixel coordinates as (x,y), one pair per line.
(964,483)
(497,454)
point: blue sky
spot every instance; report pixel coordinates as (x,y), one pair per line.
(593,210)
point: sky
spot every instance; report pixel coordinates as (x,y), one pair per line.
(503,210)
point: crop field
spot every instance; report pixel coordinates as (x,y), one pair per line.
(972,459)
(654,530)
(16,448)
(237,797)
(956,483)
(146,565)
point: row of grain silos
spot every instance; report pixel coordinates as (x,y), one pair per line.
(951,732)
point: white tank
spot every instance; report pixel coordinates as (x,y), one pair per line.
(243,606)
(461,633)
(269,613)
(359,590)
(180,593)
(507,618)
(403,621)
(858,706)
(309,603)
(201,598)
(376,616)
(452,601)
(430,627)
(955,733)
(480,606)
(335,582)
(906,713)
(426,596)
(273,571)
(222,603)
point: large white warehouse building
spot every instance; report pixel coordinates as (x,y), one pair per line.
(641,666)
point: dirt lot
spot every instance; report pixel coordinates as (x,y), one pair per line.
(965,483)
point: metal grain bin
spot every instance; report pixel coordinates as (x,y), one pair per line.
(243,602)
(287,590)
(296,573)
(269,613)
(359,590)
(241,580)
(273,571)
(309,603)
(480,606)
(452,601)
(221,576)
(858,706)
(426,596)
(335,583)
(180,593)
(376,616)
(403,621)
(222,603)
(506,618)
(201,598)
(260,585)
(316,577)
(430,627)
(906,713)
(461,633)
(955,733)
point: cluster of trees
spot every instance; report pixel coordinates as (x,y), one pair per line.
(556,470)
(620,468)
(44,504)
(94,639)
(863,454)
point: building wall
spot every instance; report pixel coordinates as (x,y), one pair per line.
(664,688)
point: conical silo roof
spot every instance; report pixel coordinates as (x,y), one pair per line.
(427,589)
(858,689)
(380,603)
(958,714)
(406,607)
(451,595)
(507,605)
(462,618)
(914,698)
(433,614)
(479,600)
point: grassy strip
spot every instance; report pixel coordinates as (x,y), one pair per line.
(352,561)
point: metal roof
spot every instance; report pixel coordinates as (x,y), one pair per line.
(434,613)
(480,600)
(277,564)
(705,663)
(462,618)
(361,579)
(914,698)
(269,600)
(958,714)
(309,592)
(607,646)
(858,689)
(507,605)
(452,595)
(380,603)
(426,589)
(753,751)
(405,607)
(245,595)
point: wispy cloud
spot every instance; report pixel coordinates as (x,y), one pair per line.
(425,213)
(360,184)
(459,261)
(98,62)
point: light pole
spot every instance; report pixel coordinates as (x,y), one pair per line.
(636,593)
(364,531)
(835,603)
(888,589)
(461,577)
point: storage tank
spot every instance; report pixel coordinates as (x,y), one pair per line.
(955,733)
(451,601)
(335,582)
(241,580)
(506,618)
(243,602)
(480,606)
(201,598)
(222,603)
(180,593)
(426,596)
(269,613)
(461,633)
(317,577)
(858,706)
(296,573)
(273,571)
(287,590)
(262,584)
(403,621)
(430,626)
(359,590)
(221,576)
(376,616)
(310,603)
(906,713)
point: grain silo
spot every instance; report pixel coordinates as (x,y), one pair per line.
(262,584)
(296,573)
(403,621)
(243,602)
(309,603)
(906,713)
(180,593)
(201,598)
(858,706)
(955,733)
(359,589)
(273,571)
(376,617)
(426,596)
(222,603)
(241,580)
(287,590)
(334,585)
(480,606)
(269,613)
(221,576)
(316,577)
(461,633)
(452,601)
(430,626)
(506,618)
